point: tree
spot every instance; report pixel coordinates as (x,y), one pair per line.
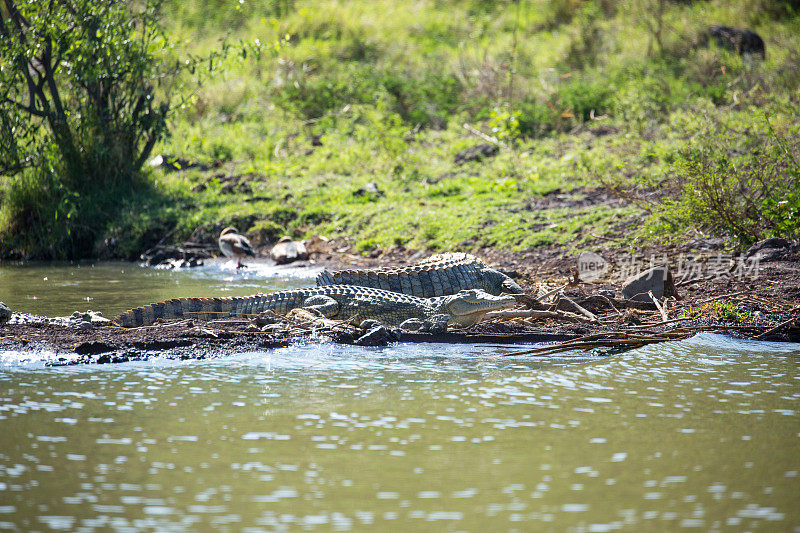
(83,77)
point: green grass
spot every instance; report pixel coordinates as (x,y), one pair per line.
(579,93)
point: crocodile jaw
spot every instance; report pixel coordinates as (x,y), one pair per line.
(468,307)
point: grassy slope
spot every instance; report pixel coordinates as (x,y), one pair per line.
(362,75)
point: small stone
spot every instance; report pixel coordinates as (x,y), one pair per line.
(769,249)
(93,348)
(412,324)
(435,324)
(369,324)
(96,317)
(476,153)
(657,280)
(265,319)
(378,336)
(287,251)
(5,313)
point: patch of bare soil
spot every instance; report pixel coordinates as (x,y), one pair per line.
(76,343)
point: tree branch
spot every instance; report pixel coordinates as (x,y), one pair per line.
(29,109)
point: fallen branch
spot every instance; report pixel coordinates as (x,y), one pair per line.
(720,297)
(478,133)
(780,326)
(534,313)
(591,316)
(661,309)
(662,323)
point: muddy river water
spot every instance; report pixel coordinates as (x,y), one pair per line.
(702,434)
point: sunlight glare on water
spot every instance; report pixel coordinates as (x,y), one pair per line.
(698,434)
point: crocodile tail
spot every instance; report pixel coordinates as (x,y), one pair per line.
(200,308)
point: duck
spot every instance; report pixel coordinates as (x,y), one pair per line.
(234,245)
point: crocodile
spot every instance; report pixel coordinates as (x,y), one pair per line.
(438,275)
(341,302)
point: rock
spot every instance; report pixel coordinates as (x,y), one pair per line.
(369,324)
(318,244)
(370,190)
(435,324)
(658,280)
(93,348)
(769,249)
(5,313)
(288,251)
(377,336)
(87,318)
(412,324)
(476,153)
(741,41)
(265,319)
(168,257)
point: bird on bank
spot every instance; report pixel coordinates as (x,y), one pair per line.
(234,245)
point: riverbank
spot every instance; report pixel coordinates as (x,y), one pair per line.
(754,300)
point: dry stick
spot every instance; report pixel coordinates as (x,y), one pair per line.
(610,343)
(591,316)
(720,296)
(789,322)
(671,321)
(487,138)
(565,343)
(532,313)
(552,292)
(658,306)
(611,304)
(525,299)
(571,283)
(603,339)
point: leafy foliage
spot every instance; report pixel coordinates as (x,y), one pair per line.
(376,93)
(86,90)
(82,76)
(745,184)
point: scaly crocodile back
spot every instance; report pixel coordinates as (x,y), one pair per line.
(362,302)
(439,275)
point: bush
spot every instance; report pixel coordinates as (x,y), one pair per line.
(535,120)
(743,184)
(582,97)
(86,89)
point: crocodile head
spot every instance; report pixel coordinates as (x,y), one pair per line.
(467,307)
(496,282)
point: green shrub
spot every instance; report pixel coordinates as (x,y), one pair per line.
(583,97)
(85,93)
(743,184)
(535,120)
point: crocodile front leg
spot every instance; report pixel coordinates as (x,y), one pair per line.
(324,305)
